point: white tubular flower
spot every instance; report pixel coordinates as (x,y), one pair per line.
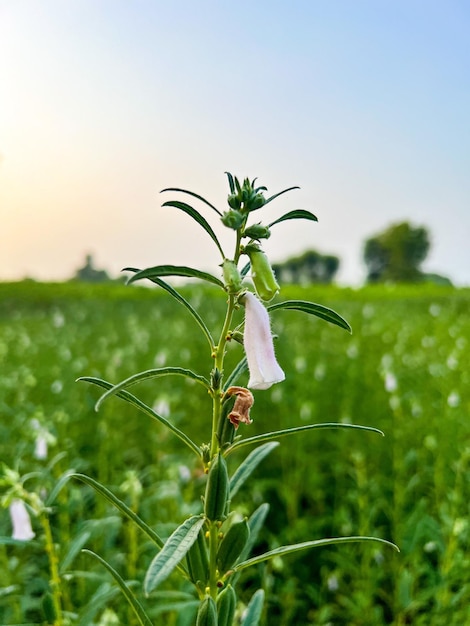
(20,521)
(258,341)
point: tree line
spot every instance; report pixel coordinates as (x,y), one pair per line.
(393,256)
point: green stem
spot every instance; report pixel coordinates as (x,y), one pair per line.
(55,583)
(219,355)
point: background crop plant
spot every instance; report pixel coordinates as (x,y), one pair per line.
(212,547)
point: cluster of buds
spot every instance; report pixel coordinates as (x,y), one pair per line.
(242,200)
(245,198)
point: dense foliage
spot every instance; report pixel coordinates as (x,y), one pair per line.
(404,370)
(396,254)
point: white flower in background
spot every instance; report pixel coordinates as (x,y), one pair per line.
(40,444)
(40,447)
(20,521)
(258,342)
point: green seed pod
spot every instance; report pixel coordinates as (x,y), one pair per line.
(198,561)
(262,274)
(232,278)
(49,608)
(207,613)
(226,605)
(217,489)
(232,544)
(257,231)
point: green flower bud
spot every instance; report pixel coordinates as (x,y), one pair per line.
(217,489)
(262,274)
(257,202)
(234,202)
(206,453)
(232,278)
(257,231)
(237,336)
(232,219)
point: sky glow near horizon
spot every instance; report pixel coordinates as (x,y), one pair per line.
(364,105)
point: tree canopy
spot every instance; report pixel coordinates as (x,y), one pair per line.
(309,267)
(396,254)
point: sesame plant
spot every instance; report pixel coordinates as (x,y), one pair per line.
(212,548)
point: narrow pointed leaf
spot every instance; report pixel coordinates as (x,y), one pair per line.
(255,524)
(128,397)
(307,545)
(73,549)
(120,505)
(138,609)
(161,283)
(276,195)
(252,461)
(254,609)
(149,374)
(58,487)
(312,309)
(245,270)
(277,434)
(199,219)
(240,368)
(194,195)
(175,270)
(230,182)
(300,214)
(175,549)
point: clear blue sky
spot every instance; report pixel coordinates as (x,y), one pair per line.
(364,104)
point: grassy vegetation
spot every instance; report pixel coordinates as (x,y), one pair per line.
(405,370)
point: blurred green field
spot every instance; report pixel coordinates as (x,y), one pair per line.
(405,369)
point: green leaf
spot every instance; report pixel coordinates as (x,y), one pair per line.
(100,598)
(307,545)
(130,597)
(73,549)
(276,195)
(194,195)
(175,549)
(254,609)
(128,397)
(120,505)
(58,487)
(245,469)
(245,270)
(277,434)
(312,309)
(240,368)
(149,374)
(175,270)
(255,524)
(199,219)
(230,182)
(300,214)
(181,300)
